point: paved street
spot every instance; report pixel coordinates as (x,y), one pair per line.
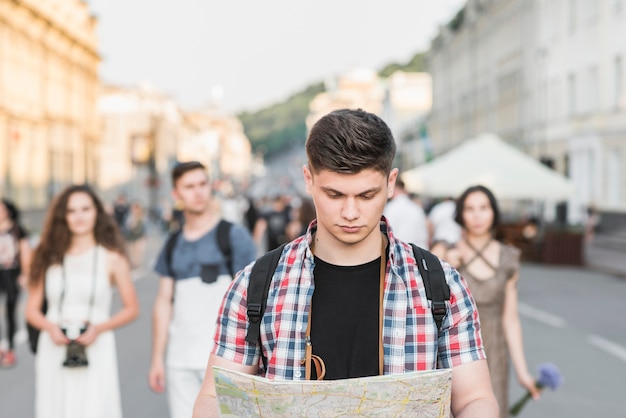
(572,317)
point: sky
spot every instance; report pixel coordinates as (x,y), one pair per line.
(253,53)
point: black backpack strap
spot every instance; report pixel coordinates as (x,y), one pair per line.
(437,289)
(169,251)
(223,241)
(258,288)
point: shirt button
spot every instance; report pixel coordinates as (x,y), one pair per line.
(307,283)
(297,373)
(398,333)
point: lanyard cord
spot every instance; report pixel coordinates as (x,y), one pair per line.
(383,269)
(93,285)
(317,361)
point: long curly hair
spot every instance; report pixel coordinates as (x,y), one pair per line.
(56,235)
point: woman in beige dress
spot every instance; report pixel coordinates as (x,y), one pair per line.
(491,269)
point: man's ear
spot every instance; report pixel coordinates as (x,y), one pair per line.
(391,182)
(176,197)
(308,178)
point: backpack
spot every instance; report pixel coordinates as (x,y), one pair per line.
(429,266)
(223,242)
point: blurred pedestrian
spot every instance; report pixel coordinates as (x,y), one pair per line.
(592,221)
(348,293)
(445,232)
(15,255)
(251,214)
(491,269)
(406,217)
(301,218)
(135,234)
(79,259)
(270,229)
(194,274)
(121,208)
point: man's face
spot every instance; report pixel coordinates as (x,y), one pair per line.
(194,191)
(349,206)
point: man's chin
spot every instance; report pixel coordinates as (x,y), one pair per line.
(196,211)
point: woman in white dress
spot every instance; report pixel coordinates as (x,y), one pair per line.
(79,259)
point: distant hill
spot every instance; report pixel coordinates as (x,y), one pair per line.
(281,125)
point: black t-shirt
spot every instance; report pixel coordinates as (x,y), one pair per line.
(345,315)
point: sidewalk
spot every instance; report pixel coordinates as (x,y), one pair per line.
(605,259)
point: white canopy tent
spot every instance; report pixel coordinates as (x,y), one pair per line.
(487,160)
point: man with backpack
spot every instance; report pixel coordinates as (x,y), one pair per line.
(348,297)
(196,265)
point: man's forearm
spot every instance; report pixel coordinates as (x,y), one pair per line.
(480,408)
(206,406)
(160,322)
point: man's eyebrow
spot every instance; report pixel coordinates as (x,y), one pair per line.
(367,191)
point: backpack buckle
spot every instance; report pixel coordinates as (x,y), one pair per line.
(439,308)
(254,312)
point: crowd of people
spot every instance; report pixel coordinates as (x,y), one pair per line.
(341,288)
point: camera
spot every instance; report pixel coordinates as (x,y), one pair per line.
(76,355)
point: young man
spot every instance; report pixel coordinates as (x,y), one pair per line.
(407,217)
(194,276)
(333,275)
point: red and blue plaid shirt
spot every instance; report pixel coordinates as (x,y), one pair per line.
(409,331)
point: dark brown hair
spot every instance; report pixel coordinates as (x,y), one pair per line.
(56,236)
(181,168)
(460,203)
(349,141)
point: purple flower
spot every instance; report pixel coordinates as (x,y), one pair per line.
(549,376)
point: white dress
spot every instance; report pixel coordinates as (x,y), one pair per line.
(83,392)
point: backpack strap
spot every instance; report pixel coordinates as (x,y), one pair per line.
(258,288)
(169,251)
(437,289)
(223,241)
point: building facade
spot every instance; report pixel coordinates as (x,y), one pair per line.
(145,133)
(220,142)
(141,133)
(402,100)
(48,92)
(548,77)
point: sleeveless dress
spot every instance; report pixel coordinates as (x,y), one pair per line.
(82,392)
(489,297)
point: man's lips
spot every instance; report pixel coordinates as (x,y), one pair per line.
(350,229)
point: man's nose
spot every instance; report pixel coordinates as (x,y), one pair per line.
(350,211)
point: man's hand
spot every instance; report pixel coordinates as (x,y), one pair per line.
(206,405)
(156,377)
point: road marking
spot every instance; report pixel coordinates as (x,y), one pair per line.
(541,316)
(608,346)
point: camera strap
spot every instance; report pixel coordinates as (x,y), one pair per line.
(93,285)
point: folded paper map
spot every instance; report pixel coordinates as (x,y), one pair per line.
(417,394)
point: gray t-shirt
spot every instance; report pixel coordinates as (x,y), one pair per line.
(188,257)
(202,277)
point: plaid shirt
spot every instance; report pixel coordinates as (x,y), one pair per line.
(409,332)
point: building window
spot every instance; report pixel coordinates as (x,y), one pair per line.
(590,99)
(572,15)
(571,95)
(613,177)
(618,87)
(590,12)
